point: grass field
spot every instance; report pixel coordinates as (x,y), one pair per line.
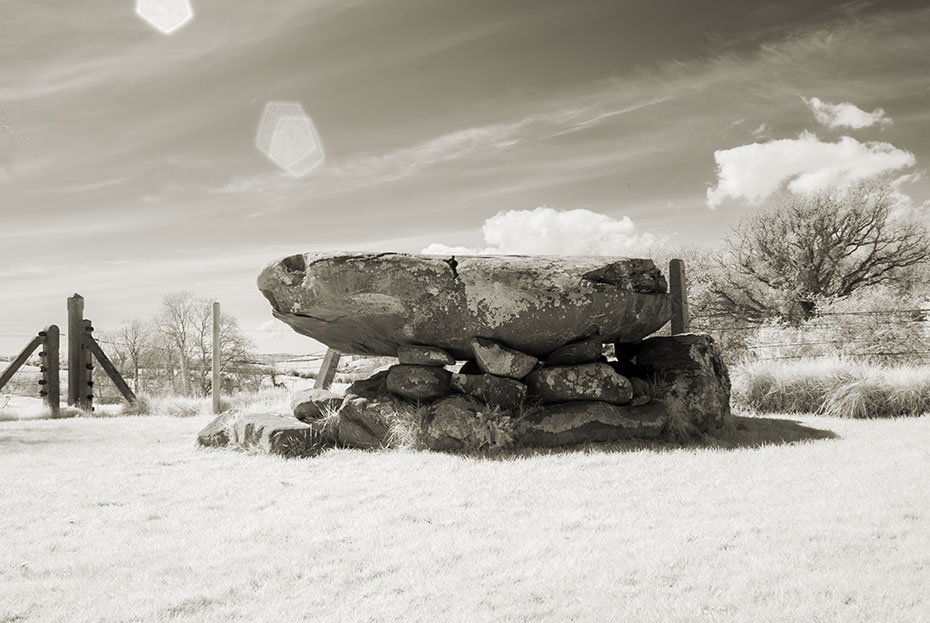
(124,519)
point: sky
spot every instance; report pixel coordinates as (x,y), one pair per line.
(129,166)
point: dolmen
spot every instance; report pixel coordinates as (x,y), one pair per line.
(547,351)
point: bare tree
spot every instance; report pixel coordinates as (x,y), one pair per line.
(134,344)
(782,259)
(177,323)
(186,325)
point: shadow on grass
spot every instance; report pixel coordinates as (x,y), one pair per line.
(743,432)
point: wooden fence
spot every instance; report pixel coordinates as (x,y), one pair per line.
(83,349)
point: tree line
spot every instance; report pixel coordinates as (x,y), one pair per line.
(173,351)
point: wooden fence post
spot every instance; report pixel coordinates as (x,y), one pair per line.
(20,360)
(87,390)
(677,285)
(76,363)
(51,366)
(94,349)
(327,370)
(216,357)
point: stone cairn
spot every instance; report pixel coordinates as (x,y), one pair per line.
(520,340)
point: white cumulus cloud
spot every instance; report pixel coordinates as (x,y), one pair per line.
(845,115)
(806,164)
(546,231)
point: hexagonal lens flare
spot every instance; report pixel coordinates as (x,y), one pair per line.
(165,15)
(288,137)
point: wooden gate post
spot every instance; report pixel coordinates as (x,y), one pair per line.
(76,369)
(327,370)
(51,384)
(678,288)
(87,390)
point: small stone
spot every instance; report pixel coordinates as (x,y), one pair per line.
(418,382)
(216,433)
(424,356)
(371,388)
(313,404)
(494,358)
(584,351)
(364,424)
(497,391)
(284,436)
(450,422)
(580,422)
(588,381)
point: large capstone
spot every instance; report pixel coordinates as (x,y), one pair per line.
(372,304)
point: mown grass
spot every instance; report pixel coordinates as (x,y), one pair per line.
(833,386)
(124,519)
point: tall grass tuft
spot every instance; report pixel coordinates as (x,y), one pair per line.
(882,392)
(793,386)
(832,386)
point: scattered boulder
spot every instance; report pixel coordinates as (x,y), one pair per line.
(584,351)
(586,382)
(418,382)
(450,422)
(312,404)
(372,388)
(691,377)
(424,356)
(494,358)
(364,424)
(495,390)
(579,422)
(216,433)
(532,303)
(284,436)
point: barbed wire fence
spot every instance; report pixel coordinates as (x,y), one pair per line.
(884,336)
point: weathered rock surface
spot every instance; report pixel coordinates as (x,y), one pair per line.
(216,433)
(690,376)
(450,422)
(419,355)
(313,404)
(274,434)
(494,358)
(495,390)
(579,422)
(363,423)
(588,381)
(584,351)
(418,382)
(371,304)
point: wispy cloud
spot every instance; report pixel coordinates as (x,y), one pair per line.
(369,169)
(133,50)
(82,188)
(845,115)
